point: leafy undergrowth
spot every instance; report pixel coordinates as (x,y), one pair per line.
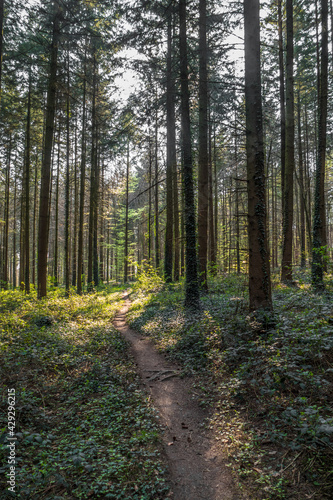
(268,380)
(84,428)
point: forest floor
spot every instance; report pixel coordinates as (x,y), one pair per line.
(246,401)
(266,381)
(196,462)
(84,427)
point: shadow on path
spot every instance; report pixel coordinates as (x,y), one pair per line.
(196,466)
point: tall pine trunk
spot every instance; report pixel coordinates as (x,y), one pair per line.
(14,236)
(74,247)
(67,202)
(43,225)
(171,159)
(157,236)
(287,249)
(6,228)
(192,289)
(282,103)
(93,187)
(34,224)
(56,229)
(259,270)
(82,187)
(175,194)
(301,183)
(203,149)
(96,210)
(126,217)
(27,196)
(1,38)
(319,222)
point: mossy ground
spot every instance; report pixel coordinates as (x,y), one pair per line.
(268,380)
(84,427)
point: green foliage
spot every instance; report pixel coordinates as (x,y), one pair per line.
(148,279)
(268,381)
(84,427)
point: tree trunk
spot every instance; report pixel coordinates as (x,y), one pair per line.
(67,202)
(126,218)
(93,186)
(203,149)
(301,184)
(192,289)
(74,248)
(175,191)
(237,203)
(96,211)
(211,209)
(259,270)
(319,222)
(82,186)
(101,229)
(27,196)
(157,243)
(287,250)
(14,236)
(56,230)
(149,200)
(282,103)
(215,207)
(34,224)
(1,38)
(6,228)
(43,226)
(171,159)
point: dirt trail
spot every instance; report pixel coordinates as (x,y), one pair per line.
(197,469)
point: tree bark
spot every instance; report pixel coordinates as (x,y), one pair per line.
(192,289)
(301,183)
(282,103)
(96,210)
(74,247)
(126,217)
(319,222)
(149,199)
(14,236)
(211,208)
(34,259)
(1,39)
(27,196)
(157,241)
(171,159)
(56,229)
(203,149)
(82,186)
(287,249)
(43,226)
(6,228)
(93,187)
(259,270)
(67,201)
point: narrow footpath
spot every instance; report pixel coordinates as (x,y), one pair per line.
(196,465)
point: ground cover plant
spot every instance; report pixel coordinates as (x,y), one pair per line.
(84,427)
(266,379)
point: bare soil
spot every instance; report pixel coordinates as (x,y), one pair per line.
(196,463)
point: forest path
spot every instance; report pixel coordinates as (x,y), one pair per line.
(196,465)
